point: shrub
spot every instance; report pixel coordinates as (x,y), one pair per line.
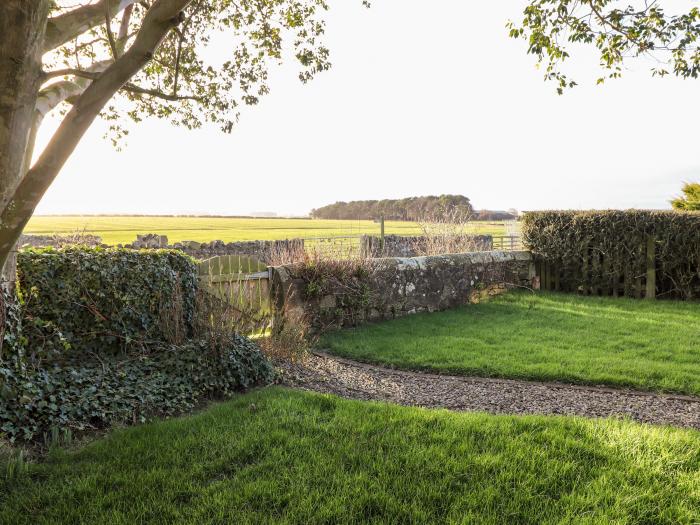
(95,393)
(450,233)
(10,324)
(608,248)
(105,299)
(690,200)
(347,281)
(104,337)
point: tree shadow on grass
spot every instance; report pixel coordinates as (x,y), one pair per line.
(279,455)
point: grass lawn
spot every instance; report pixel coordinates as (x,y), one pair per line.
(305,458)
(123,229)
(618,342)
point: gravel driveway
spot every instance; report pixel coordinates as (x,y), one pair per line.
(328,374)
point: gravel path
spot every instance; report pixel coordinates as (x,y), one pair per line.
(324,373)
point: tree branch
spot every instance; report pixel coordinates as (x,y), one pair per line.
(132,88)
(94,75)
(123,35)
(110,34)
(48,75)
(63,28)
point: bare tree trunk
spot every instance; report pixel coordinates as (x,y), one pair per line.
(8,275)
(22,26)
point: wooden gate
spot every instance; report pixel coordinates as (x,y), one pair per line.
(241,282)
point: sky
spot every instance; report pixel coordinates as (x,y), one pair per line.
(424,98)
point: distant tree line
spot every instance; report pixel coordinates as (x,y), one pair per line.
(442,208)
(409,209)
(491,215)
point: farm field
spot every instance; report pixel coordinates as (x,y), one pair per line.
(550,337)
(286,456)
(123,229)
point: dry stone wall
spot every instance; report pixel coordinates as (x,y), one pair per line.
(265,251)
(58,241)
(393,287)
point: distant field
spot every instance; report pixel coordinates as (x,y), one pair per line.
(123,229)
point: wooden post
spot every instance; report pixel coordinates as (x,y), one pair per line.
(638,279)
(595,273)
(381,233)
(606,282)
(651,268)
(543,278)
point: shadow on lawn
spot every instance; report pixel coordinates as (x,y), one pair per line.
(282,455)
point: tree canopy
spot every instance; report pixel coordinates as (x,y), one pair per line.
(408,209)
(690,200)
(126,60)
(620,31)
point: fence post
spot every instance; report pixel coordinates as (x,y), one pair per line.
(381,234)
(651,268)
(607,278)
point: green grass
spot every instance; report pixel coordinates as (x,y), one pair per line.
(123,229)
(306,458)
(618,342)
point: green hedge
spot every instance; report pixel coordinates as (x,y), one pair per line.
(38,401)
(88,344)
(606,250)
(10,324)
(105,299)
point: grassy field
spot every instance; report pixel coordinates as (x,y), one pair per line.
(281,456)
(123,229)
(617,342)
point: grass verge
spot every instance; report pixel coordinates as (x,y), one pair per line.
(546,336)
(282,456)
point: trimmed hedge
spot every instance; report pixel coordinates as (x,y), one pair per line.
(105,299)
(607,249)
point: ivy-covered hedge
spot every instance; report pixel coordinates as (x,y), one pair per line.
(607,249)
(91,393)
(10,324)
(105,299)
(101,337)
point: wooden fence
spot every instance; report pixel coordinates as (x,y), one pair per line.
(507,243)
(595,276)
(241,282)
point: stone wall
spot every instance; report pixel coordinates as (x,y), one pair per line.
(265,251)
(269,252)
(413,246)
(393,287)
(58,241)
